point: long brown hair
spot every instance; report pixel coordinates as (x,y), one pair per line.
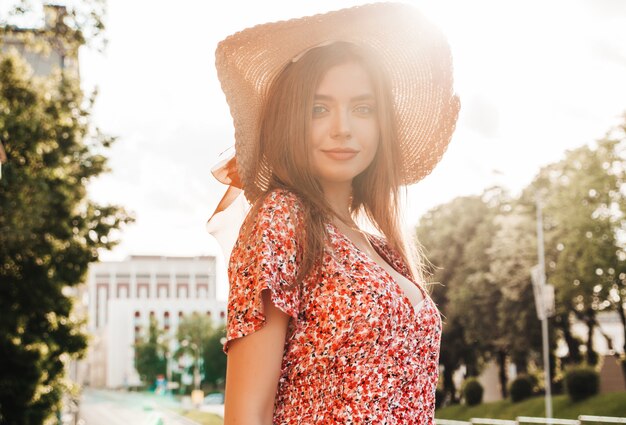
(283,147)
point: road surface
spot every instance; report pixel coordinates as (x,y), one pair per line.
(100,407)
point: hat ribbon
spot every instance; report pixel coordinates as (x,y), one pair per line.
(225,171)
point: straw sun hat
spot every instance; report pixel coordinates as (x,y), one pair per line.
(411,50)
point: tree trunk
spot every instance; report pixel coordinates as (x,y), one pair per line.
(592,356)
(502,373)
(574,356)
(449,388)
(622,318)
(520,360)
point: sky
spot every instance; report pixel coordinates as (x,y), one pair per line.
(535,78)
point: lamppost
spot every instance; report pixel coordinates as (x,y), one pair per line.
(544,301)
(164,343)
(197,395)
(196,366)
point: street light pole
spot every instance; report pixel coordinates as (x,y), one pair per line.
(542,308)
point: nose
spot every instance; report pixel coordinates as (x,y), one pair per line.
(341,125)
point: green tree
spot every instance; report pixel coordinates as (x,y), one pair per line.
(214,359)
(582,216)
(49,232)
(451,236)
(512,254)
(151,354)
(193,332)
(200,340)
(485,289)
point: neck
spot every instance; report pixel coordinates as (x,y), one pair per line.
(338,197)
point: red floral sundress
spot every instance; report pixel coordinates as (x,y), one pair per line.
(357,351)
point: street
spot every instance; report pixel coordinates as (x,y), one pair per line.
(99,407)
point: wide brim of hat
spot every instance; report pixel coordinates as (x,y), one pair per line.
(412,50)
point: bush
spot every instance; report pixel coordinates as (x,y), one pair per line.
(521,388)
(472,392)
(581,382)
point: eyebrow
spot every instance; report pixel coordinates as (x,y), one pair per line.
(354,99)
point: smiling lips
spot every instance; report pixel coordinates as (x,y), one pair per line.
(341,154)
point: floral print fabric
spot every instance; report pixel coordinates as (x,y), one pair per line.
(357,351)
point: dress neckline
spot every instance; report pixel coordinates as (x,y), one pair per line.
(416,309)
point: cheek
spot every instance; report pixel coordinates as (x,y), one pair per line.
(372,138)
(315,135)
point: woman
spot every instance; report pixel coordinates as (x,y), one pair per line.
(333,114)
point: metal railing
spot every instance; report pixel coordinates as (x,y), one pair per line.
(582,419)
(550,421)
(601,419)
(450,422)
(487,421)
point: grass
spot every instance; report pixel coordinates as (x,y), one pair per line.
(610,404)
(204,418)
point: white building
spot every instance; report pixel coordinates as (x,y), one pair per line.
(123,295)
(44,58)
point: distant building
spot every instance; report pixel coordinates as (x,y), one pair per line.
(49,54)
(123,295)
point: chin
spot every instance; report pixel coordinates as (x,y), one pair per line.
(337,179)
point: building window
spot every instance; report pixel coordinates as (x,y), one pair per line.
(102,298)
(182,291)
(137,333)
(202,291)
(122,291)
(143,291)
(163,291)
(166,320)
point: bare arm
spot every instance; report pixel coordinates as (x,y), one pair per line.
(253,369)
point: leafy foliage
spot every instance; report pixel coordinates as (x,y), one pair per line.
(49,233)
(199,339)
(472,392)
(151,354)
(521,388)
(214,359)
(483,249)
(581,382)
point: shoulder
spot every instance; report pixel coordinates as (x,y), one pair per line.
(392,255)
(279,208)
(282,200)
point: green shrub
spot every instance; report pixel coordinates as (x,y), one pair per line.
(521,388)
(581,382)
(472,392)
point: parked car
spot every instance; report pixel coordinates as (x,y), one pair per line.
(214,398)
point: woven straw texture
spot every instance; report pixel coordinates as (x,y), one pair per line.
(412,50)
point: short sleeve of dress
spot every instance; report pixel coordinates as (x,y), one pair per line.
(268,258)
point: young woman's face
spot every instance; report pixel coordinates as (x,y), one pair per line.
(344,125)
